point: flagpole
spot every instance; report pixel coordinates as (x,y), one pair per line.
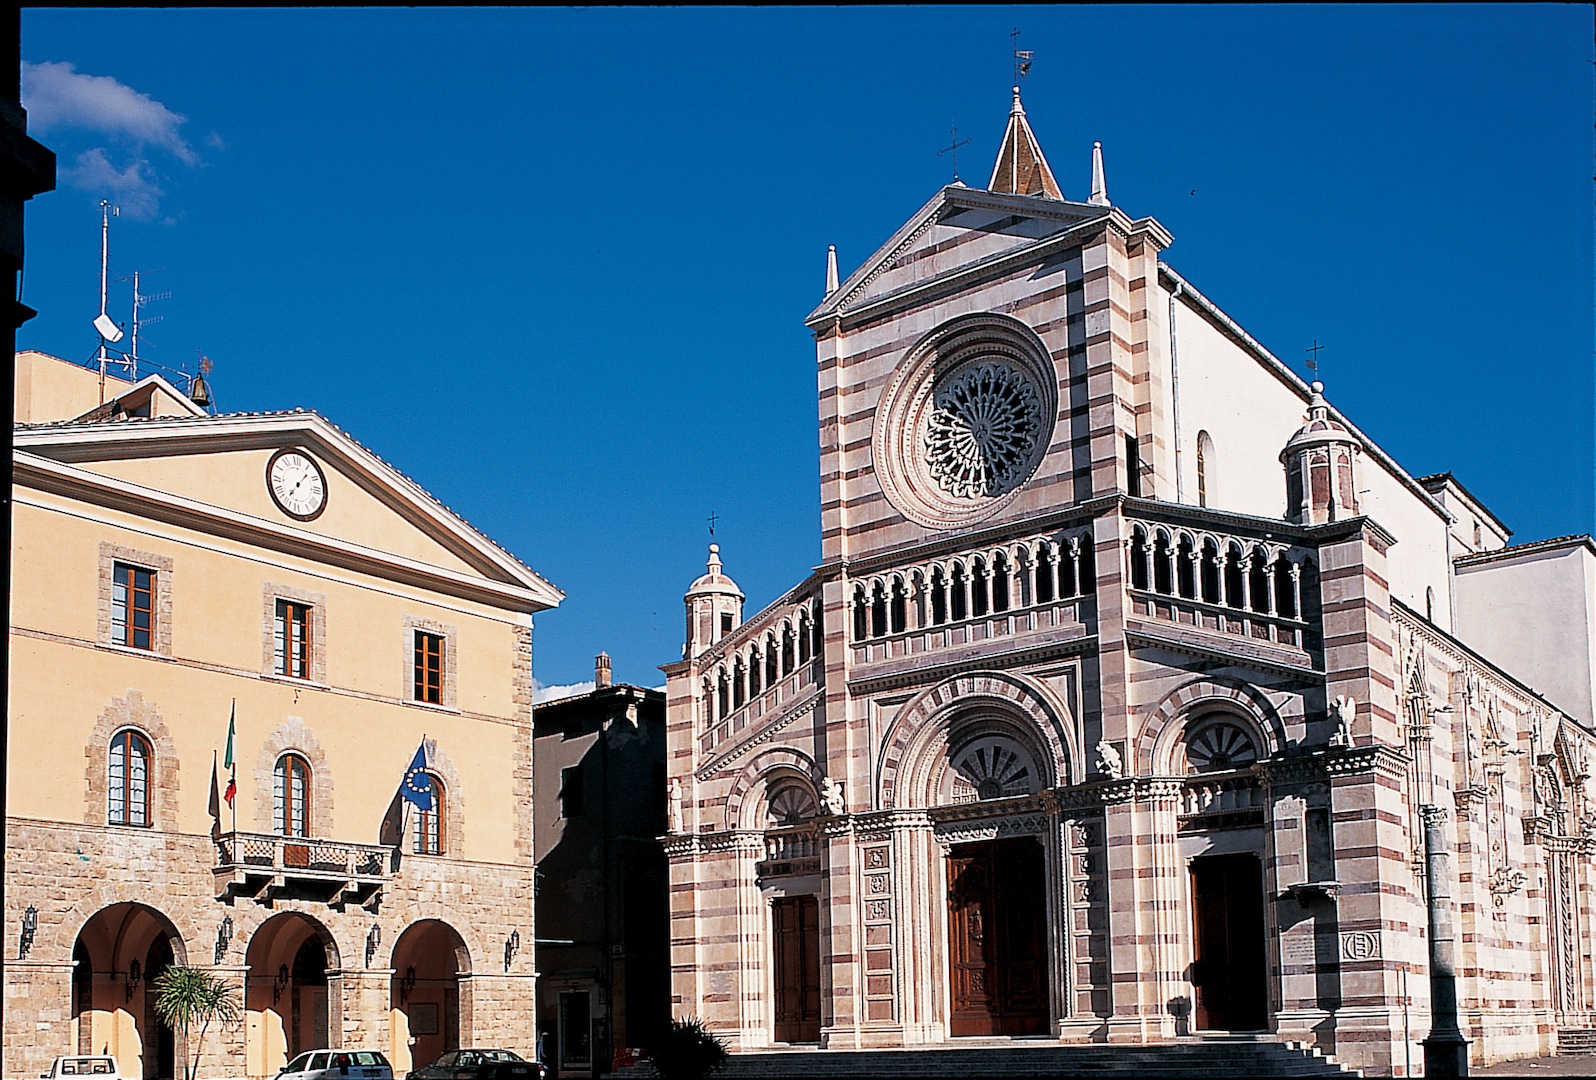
(232,804)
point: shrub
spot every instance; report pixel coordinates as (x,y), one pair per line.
(687,1051)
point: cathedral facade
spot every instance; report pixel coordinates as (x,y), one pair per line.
(1137,695)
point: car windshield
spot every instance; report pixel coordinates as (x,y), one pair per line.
(297,1065)
(500,1055)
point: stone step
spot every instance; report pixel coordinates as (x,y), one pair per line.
(1576,1042)
(1196,1057)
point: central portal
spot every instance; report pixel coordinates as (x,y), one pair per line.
(796,922)
(997,929)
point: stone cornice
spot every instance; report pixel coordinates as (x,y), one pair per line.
(1229,648)
(916,672)
(82,485)
(762,735)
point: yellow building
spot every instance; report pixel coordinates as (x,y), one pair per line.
(173,570)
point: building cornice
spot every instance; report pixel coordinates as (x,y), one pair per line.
(69,481)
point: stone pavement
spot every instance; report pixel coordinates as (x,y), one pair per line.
(1571,1065)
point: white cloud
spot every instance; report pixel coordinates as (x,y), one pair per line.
(542,692)
(133,190)
(57,95)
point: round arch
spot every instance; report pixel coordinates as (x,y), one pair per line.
(743,812)
(291,1003)
(430,995)
(1162,732)
(921,740)
(121,949)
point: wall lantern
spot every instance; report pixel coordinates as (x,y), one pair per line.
(30,926)
(407,984)
(134,977)
(224,937)
(512,945)
(373,939)
(280,983)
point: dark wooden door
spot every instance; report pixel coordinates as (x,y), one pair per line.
(796,920)
(997,929)
(1229,972)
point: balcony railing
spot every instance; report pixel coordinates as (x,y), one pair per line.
(1226,795)
(262,865)
(790,851)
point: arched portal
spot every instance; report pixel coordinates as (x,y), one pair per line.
(431,1000)
(288,1000)
(118,954)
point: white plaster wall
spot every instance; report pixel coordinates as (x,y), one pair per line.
(1250,414)
(1535,616)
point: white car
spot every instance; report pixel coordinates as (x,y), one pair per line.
(337,1065)
(83,1065)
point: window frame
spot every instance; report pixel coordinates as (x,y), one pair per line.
(126,736)
(428,669)
(572,802)
(291,614)
(427,835)
(283,802)
(448,668)
(124,596)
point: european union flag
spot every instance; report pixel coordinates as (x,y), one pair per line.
(417,788)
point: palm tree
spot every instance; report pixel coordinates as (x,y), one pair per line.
(188,1000)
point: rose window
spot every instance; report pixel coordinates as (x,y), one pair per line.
(1219,745)
(982,430)
(992,768)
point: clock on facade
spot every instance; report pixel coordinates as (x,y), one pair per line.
(297,484)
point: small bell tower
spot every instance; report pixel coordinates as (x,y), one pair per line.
(714,608)
(1321,467)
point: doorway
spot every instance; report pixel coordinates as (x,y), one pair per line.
(795,921)
(997,929)
(1229,970)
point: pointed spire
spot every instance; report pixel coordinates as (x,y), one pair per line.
(1021,169)
(831,269)
(1099,185)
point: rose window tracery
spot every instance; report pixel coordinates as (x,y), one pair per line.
(792,803)
(992,768)
(1219,745)
(982,430)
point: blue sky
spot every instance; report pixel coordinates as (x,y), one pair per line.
(553,264)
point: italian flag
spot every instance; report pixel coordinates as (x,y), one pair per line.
(227,761)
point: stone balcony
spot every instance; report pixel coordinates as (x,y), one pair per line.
(265,867)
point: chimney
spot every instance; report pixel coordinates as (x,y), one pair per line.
(601,671)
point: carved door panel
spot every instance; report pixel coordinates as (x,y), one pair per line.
(1228,917)
(795,921)
(997,919)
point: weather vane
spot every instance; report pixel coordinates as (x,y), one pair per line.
(953,133)
(1022,57)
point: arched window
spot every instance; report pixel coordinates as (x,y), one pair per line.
(739,685)
(1088,580)
(1186,567)
(291,795)
(861,614)
(753,673)
(1285,589)
(1138,560)
(128,779)
(979,584)
(1000,582)
(1044,573)
(939,597)
(1218,743)
(899,609)
(878,610)
(771,660)
(1205,467)
(805,643)
(723,694)
(429,823)
(787,649)
(958,592)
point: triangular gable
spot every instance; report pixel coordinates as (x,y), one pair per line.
(961,229)
(149,398)
(217,466)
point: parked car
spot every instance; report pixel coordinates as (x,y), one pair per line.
(480,1065)
(83,1065)
(337,1065)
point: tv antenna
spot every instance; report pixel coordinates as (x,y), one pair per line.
(109,332)
(139,300)
(953,133)
(1022,57)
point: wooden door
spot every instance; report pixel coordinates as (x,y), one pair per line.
(997,929)
(1229,972)
(796,924)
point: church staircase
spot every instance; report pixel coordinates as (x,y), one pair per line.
(1203,1057)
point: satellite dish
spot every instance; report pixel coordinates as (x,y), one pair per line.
(108,329)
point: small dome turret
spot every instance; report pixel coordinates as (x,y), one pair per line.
(1321,467)
(714,607)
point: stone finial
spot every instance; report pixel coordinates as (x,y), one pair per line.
(1099,185)
(831,269)
(601,671)
(714,560)
(1020,168)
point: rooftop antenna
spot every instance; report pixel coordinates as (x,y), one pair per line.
(953,133)
(139,300)
(1022,58)
(108,330)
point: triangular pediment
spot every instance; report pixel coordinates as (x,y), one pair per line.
(211,473)
(961,230)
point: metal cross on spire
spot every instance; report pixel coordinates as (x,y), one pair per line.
(712,519)
(953,133)
(1313,357)
(1022,57)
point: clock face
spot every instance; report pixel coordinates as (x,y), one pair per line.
(296,484)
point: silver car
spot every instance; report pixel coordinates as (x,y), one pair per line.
(337,1065)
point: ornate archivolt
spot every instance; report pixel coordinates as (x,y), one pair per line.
(1203,721)
(756,795)
(973,737)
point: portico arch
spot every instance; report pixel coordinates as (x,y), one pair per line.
(120,951)
(430,1000)
(290,1003)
